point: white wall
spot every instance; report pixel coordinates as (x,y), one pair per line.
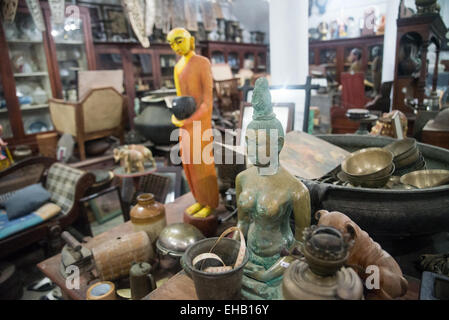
(389,51)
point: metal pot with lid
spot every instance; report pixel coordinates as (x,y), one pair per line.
(176,238)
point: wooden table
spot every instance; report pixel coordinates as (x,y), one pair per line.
(181,287)
(50,267)
(178,287)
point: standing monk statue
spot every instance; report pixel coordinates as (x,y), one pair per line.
(193,77)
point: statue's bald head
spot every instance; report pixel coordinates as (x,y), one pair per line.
(178,32)
(181,41)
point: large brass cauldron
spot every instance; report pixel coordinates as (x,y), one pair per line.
(384,213)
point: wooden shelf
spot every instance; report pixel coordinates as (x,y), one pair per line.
(34,107)
(18,41)
(144,77)
(28,107)
(340,50)
(32,74)
(70,42)
(43,47)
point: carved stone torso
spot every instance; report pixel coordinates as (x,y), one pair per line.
(268,200)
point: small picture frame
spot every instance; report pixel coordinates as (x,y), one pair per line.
(106,206)
(284,113)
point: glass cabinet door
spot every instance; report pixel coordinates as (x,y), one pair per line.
(249,62)
(351,62)
(261,62)
(234,61)
(70,53)
(167,64)
(374,70)
(143,72)
(217,57)
(4,119)
(29,64)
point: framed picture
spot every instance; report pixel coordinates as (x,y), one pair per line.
(116,25)
(96,20)
(297,95)
(106,205)
(284,113)
(175,175)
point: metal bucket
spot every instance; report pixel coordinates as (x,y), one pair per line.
(216,286)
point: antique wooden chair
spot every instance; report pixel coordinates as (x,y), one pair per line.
(66,185)
(99,114)
(153,183)
(226,87)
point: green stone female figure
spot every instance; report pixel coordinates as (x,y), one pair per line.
(267,195)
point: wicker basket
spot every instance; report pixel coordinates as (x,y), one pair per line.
(48,144)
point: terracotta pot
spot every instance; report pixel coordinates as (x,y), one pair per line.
(208,226)
(148,215)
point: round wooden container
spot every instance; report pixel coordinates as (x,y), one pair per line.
(208,226)
(114,258)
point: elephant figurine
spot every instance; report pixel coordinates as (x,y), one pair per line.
(147,154)
(131,160)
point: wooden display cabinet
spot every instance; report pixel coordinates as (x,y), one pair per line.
(235,54)
(144,69)
(26,69)
(30,73)
(415,36)
(147,69)
(71,50)
(333,54)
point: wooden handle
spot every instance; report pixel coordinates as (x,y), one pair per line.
(71,241)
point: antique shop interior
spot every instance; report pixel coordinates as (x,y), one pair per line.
(224,150)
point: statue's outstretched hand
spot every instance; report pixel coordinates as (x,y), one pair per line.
(176,122)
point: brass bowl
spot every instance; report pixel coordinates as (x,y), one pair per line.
(400,147)
(378,182)
(426,178)
(369,163)
(412,158)
(406,155)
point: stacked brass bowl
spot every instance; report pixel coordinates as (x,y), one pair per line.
(407,157)
(423,179)
(369,168)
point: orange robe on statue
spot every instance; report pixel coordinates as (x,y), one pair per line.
(195,80)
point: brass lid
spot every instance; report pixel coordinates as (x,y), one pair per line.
(174,239)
